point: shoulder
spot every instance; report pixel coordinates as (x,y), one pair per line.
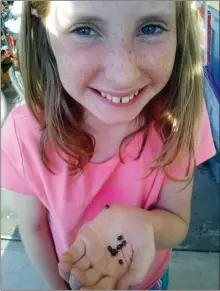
(20,135)
(20,122)
(20,115)
(204,148)
(20,112)
(204,143)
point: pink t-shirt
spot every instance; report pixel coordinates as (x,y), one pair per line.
(72,204)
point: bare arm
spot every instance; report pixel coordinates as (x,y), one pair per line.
(171,217)
(36,237)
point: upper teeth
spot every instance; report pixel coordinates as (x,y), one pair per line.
(116,99)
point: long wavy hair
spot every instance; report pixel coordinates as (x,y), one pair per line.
(60,116)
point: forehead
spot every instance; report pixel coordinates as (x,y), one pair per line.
(104,9)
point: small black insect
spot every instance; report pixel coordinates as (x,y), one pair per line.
(120,262)
(114,252)
(119,247)
(109,248)
(120,237)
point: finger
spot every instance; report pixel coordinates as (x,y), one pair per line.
(95,248)
(127,253)
(106,283)
(77,250)
(74,283)
(69,258)
(65,266)
(92,276)
(140,265)
(84,263)
(86,278)
(76,278)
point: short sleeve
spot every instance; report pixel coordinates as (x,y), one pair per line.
(204,151)
(12,169)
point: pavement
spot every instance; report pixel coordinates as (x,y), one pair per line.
(188,270)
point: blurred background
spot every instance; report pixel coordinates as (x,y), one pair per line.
(198,256)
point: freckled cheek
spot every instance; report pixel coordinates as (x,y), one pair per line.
(79,66)
(157,62)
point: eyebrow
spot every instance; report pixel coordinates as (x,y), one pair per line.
(163,18)
(89,19)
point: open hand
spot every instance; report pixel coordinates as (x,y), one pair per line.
(113,251)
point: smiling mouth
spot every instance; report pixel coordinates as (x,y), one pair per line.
(119,100)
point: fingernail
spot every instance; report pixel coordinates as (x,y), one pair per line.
(65,275)
(75,283)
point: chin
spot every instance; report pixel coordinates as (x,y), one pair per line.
(117,120)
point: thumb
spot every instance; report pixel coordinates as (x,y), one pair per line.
(141,263)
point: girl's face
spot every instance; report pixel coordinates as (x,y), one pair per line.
(113,57)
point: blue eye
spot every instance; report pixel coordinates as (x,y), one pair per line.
(151,29)
(84,31)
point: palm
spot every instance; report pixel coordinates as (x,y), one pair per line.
(93,266)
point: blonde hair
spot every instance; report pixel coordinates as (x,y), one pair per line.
(60,116)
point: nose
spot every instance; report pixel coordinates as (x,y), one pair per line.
(121,69)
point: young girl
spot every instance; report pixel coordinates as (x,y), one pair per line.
(105,149)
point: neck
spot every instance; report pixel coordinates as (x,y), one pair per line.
(96,127)
(108,137)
